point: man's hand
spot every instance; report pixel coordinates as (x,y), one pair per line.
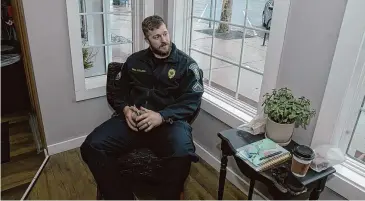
(148,120)
(130,116)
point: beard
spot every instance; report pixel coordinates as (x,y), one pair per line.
(160,52)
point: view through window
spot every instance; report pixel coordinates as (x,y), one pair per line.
(229,40)
(106,32)
(356,148)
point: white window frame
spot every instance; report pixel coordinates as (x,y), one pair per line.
(93,87)
(343,96)
(225,108)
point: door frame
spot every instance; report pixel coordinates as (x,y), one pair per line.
(21,31)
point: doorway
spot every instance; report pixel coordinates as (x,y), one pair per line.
(22,134)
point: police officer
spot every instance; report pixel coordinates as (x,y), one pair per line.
(161,88)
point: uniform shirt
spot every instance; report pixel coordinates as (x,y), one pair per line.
(172,86)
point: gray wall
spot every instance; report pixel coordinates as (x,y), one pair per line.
(63,117)
(159,8)
(310,41)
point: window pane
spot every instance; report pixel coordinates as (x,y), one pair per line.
(94,61)
(231,11)
(119,53)
(204,63)
(224,76)
(201,39)
(119,28)
(356,148)
(92,32)
(228,42)
(259,12)
(255,48)
(120,5)
(226,10)
(87,6)
(204,8)
(250,87)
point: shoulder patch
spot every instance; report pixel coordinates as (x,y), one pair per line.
(198,87)
(195,68)
(119,75)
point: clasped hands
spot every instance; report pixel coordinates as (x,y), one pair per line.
(142,119)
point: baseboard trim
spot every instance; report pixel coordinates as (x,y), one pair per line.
(235,179)
(66,145)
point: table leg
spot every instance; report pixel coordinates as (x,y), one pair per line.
(252,186)
(222,176)
(318,189)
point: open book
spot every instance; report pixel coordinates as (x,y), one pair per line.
(263,154)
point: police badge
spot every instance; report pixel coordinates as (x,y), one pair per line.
(171,73)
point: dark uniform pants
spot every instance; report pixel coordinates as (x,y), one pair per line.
(172,142)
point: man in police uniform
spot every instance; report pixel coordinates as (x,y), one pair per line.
(161,89)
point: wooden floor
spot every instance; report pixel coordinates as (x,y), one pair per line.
(66,177)
(24,162)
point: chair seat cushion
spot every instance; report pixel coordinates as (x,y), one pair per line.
(141,167)
(140,163)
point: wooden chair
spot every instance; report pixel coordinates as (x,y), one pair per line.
(140,165)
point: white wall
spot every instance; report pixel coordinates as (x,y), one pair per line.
(310,41)
(63,117)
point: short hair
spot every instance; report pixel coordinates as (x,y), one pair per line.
(150,23)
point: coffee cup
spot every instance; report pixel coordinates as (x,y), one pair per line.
(302,158)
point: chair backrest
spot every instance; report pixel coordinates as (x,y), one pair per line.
(113,76)
(112,85)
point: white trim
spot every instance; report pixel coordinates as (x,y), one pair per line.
(275,48)
(355,166)
(75,44)
(224,111)
(66,145)
(233,177)
(104,12)
(106,44)
(347,183)
(179,16)
(138,8)
(233,24)
(342,100)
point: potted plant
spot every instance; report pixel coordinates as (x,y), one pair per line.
(87,56)
(285,112)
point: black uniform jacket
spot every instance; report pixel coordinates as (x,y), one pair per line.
(172,86)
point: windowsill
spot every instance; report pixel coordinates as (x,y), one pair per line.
(355,181)
(95,82)
(95,87)
(226,109)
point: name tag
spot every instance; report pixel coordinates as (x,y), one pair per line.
(138,70)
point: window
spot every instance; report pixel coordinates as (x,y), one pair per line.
(102,31)
(229,39)
(356,148)
(106,34)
